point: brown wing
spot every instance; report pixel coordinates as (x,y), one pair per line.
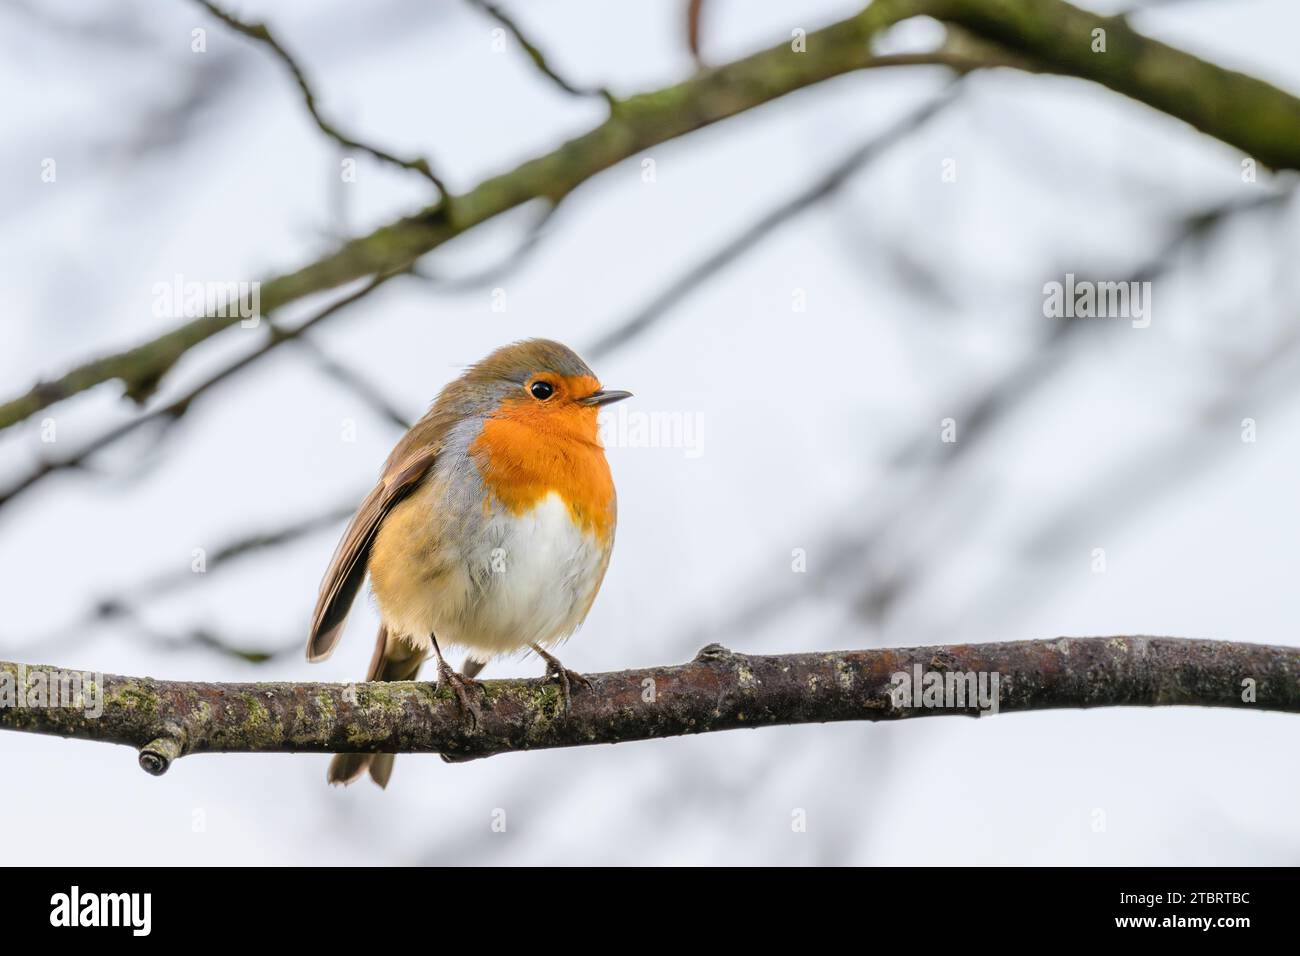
(348,566)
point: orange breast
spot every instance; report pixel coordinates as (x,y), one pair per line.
(527,451)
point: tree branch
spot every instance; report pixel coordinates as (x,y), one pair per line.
(539,58)
(171,413)
(1254,116)
(736,246)
(718,690)
(1242,111)
(260,33)
(167,415)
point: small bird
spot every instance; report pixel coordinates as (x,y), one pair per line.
(490,529)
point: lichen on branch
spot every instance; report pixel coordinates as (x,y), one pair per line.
(718,690)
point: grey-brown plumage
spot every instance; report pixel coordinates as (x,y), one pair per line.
(424,532)
(410,462)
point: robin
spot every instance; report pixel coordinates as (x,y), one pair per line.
(490,529)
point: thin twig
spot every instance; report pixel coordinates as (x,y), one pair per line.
(538,58)
(354,382)
(708,267)
(536,232)
(263,35)
(169,414)
(1220,102)
(124,601)
(694,13)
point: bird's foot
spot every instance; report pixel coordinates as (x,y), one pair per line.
(563,676)
(461,686)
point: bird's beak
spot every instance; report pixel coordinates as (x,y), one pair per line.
(604,397)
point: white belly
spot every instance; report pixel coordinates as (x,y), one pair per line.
(528,579)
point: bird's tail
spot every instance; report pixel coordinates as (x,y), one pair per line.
(394,659)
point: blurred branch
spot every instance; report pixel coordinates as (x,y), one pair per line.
(694,10)
(1247,113)
(356,383)
(718,690)
(122,605)
(1154,473)
(741,243)
(204,638)
(536,232)
(123,28)
(260,33)
(1242,111)
(234,549)
(893,530)
(538,58)
(1158,467)
(1011,394)
(167,415)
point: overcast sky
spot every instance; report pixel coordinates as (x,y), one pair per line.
(919,294)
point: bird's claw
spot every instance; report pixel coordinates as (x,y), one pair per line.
(460,687)
(566,679)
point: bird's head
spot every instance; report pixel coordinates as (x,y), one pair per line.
(541,384)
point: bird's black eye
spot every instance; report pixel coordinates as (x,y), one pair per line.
(541,390)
